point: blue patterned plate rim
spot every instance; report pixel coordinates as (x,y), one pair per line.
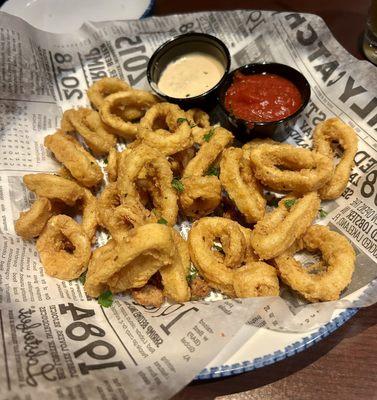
(294,348)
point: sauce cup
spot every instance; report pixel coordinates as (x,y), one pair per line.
(180,46)
(277,130)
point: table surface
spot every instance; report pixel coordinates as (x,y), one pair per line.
(342,366)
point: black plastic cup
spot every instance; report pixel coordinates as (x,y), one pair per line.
(180,45)
(278,130)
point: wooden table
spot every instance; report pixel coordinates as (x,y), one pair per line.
(342,366)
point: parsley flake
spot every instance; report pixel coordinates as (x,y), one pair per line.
(82,278)
(289,203)
(213,170)
(162,221)
(322,213)
(207,136)
(106,299)
(180,120)
(192,274)
(177,185)
(105,161)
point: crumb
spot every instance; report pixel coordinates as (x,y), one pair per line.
(199,288)
(148,295)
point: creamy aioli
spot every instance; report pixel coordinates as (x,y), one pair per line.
(190,75)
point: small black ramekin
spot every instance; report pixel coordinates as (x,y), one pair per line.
(278,130)
(181,45)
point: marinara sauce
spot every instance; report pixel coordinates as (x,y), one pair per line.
(262,97)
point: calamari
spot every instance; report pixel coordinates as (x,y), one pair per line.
(237,178)
(256,279)
(120,218)
(199,122)
(283,167)
(277,231)
(113,108)
(327,133)
(54,187)
(165,128)
(98,92)
(31,222)
(158,171)
(217,264)
(336,269)
(134,260)
(112,165)
(174,275)
(102,258)
(81,164)
(89,213)
(202,193)
(64,248)
(88,124)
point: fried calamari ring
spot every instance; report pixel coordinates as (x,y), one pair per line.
(256,279)
(174,275)
(119,218)
(215,267)
(338,255)
(64,173)
(158,169)
(238,180)
(54,187)
(152,129)
(139,256)
(198,117)
(64,248)
(112,110)
(102,257)
(283,167)
(277,231)
(199,122)
(325,134)
(31,223)
(89,213)
(81,164)
(178,161)
(202,194)
(103,88)
(88,124)
(112,165)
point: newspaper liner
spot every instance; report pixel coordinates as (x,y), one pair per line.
(58,343)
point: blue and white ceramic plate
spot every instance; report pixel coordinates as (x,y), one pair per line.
(57,16)
(263,347)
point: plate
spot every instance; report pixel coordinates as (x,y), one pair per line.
(57,16)
(260,347)
(265,347)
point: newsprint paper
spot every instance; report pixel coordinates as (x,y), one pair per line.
(58,344)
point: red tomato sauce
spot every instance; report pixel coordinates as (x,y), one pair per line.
(262,97)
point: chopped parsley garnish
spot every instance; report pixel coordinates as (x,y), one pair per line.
(192,274)
(162,221)
(274,202)
(322,213)
(177,185)
(82,278)
(207,136)
(289,203)
(106,299)
(180,120)
(213,170)
(105,161)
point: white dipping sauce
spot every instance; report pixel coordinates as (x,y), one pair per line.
(190,75)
